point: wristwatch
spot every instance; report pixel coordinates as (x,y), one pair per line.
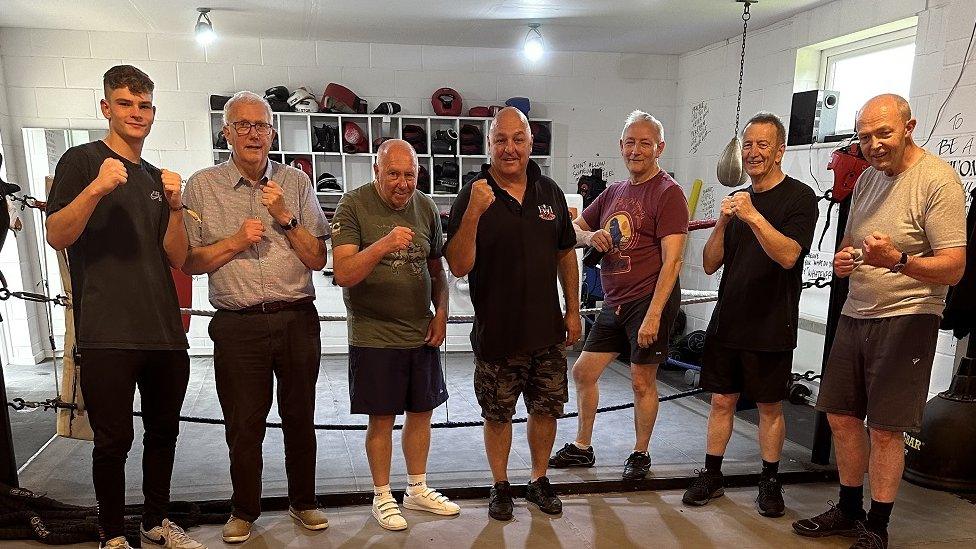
(897,267)
(290,225)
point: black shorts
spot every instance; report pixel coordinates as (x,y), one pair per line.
(759,376)
(879,368)
(615,329)
(387,382)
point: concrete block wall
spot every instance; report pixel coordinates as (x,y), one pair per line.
(53,80)
(708,80)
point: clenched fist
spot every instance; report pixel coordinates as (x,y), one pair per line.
(482,196)
(251,232)
(173,189)
(110,175)
(879,251)
(845,261)
(273,198)
(399,238)
(741,206)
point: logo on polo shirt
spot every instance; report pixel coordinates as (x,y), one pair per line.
(335,229)
(546,213)
(156,195)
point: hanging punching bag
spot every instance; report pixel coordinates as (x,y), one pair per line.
(942,455)
(729,170)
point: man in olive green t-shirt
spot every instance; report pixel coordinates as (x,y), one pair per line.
(387,243)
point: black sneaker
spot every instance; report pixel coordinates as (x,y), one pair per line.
(769,502)
(500,504)
(869,538)
(831,522)
(571,455)
(706,487)
(637,466)
(541,493)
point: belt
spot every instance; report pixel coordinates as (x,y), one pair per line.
(276,306)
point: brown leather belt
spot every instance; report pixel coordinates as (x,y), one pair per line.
(276,306)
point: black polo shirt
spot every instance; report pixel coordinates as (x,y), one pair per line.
(513,282)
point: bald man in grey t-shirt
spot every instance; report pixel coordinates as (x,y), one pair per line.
(904,244)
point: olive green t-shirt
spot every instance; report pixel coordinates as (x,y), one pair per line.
(391,307)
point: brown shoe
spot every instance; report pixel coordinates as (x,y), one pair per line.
(236,530)
(310,519)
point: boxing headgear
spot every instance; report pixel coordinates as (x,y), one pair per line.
(446,102)
(847,163)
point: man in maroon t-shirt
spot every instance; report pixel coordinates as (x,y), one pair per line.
(642,224)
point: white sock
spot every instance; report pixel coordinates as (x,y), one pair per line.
(580,446)
(380,490)
(416,484)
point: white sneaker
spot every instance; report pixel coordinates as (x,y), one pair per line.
(431,501)
(115,543)
(387,512)
(171,536)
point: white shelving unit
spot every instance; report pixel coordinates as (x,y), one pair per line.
(296,138)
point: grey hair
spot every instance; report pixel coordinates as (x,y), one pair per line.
(765,117)
(245,97)
(641,116)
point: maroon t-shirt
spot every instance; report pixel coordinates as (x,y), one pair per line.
(637,218)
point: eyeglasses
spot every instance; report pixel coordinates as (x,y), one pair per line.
(243,127)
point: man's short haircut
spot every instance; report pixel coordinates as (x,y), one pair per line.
(245,97)
(641,116)
(764,117)
(127,76)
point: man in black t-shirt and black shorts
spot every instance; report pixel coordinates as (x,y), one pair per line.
(121,220)
(761,237)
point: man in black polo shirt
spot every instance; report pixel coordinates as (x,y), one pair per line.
(511,233)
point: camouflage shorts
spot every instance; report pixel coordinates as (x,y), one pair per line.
(539,376)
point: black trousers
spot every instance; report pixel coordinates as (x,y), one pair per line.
(251,350)
(109,378)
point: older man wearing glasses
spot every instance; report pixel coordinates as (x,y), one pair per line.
(259,236)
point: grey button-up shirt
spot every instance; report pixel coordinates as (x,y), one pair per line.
(269,270)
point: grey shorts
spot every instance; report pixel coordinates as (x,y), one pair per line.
(879,368)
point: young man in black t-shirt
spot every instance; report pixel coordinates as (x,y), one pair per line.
(121,220)
(761,237)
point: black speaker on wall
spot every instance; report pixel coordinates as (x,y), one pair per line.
(813,116)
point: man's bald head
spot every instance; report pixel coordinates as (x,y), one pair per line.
(394,147)
(886,103)
(884,132)
(509,114)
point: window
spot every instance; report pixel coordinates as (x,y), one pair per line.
(860,70)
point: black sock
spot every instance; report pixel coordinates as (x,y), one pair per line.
(879,514)
(852,501)
(713,464)
(769,469)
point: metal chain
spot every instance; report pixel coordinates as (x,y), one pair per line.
(809,375)
(819,282)
(742,63)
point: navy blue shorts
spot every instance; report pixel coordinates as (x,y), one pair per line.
(385,382)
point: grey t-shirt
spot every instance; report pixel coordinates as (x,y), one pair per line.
(922,209)
(390,308)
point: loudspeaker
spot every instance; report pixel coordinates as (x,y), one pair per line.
(813,116)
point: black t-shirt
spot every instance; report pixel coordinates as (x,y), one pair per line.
(123,294)
(513,282)
(758,300)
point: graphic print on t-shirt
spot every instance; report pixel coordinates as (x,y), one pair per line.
(624,227)
(412,260)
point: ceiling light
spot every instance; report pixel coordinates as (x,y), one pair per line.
(204,30)
(533,47)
